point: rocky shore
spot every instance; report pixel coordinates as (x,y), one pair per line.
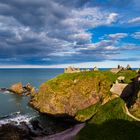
(39,128)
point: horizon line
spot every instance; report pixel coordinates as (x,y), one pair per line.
(76,65)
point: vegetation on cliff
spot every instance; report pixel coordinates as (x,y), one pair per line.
(111,122)
(77,94)
(86,97)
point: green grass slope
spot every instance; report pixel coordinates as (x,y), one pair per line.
(111,123)
(87,113)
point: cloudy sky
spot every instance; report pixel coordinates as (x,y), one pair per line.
(57,33)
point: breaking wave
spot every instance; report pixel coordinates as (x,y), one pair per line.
(15,118)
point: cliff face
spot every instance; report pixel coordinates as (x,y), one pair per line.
(67,94)
(135,107)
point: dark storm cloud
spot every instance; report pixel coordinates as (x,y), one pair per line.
(33,13)
(55,31)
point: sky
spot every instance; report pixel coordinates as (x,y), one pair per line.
(59,33)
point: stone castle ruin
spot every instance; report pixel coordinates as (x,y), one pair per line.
(74,70)
(71,70)
(120,68)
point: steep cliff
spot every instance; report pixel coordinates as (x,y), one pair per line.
(74,94)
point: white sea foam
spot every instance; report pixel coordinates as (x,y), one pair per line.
(16,118)
(6,92)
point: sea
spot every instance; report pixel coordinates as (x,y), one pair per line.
(15,108)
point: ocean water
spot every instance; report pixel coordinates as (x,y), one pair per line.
(12,105)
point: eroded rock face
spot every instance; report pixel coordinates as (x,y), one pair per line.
(67,96)
(135,107)
(69,103)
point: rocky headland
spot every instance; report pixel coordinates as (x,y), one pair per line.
(103,100)
(91,97)
(70,93)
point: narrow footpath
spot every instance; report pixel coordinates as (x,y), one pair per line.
(129,114)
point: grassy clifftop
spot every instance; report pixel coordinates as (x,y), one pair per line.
(67,94)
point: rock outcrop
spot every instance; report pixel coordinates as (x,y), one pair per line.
(19,89)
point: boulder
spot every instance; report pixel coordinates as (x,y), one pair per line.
(17,88)
(121,79)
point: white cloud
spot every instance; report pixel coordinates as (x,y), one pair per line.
(112,17)
(89,18)
(136,35)
(134,20)
(117,35)
(64,53)
(110,48)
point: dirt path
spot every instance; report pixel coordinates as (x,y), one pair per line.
(129,114)
(68,134)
